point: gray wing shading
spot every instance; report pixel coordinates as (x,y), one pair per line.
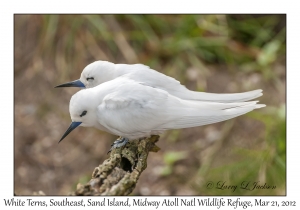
(153,78)
(136,110)
(132,109)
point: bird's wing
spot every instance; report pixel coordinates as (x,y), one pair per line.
(150,77)
(132,108)
(138,109)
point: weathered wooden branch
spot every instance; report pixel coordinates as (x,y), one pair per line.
(118,175)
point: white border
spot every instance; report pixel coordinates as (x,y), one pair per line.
(113,6)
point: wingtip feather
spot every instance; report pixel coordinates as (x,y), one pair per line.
(258,106)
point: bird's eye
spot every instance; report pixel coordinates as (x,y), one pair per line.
(83,113)
(91,78)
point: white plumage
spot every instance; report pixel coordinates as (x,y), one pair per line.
(135,109)
(99,72)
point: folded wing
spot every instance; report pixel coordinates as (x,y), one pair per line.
(135,111)
(150,77)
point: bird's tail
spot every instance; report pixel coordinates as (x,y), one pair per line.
(193,116)
(224,98)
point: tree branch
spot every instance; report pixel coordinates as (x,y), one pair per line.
(118,175)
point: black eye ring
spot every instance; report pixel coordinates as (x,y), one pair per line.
(83,113)
(92,78)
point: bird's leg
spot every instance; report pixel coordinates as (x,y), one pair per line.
(120,142)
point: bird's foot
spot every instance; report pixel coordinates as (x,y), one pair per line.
(120,142)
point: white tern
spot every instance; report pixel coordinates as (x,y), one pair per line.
(133,109)
(99,72)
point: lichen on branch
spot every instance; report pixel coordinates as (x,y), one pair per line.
(119,174)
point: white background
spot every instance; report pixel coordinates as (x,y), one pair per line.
(291,8)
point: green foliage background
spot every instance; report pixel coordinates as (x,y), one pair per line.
(212,53)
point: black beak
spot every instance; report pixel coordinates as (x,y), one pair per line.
(75,83)
(71,127)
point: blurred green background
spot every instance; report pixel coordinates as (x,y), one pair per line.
(212,53)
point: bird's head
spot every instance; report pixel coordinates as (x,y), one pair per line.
(92,75)
(82,111)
